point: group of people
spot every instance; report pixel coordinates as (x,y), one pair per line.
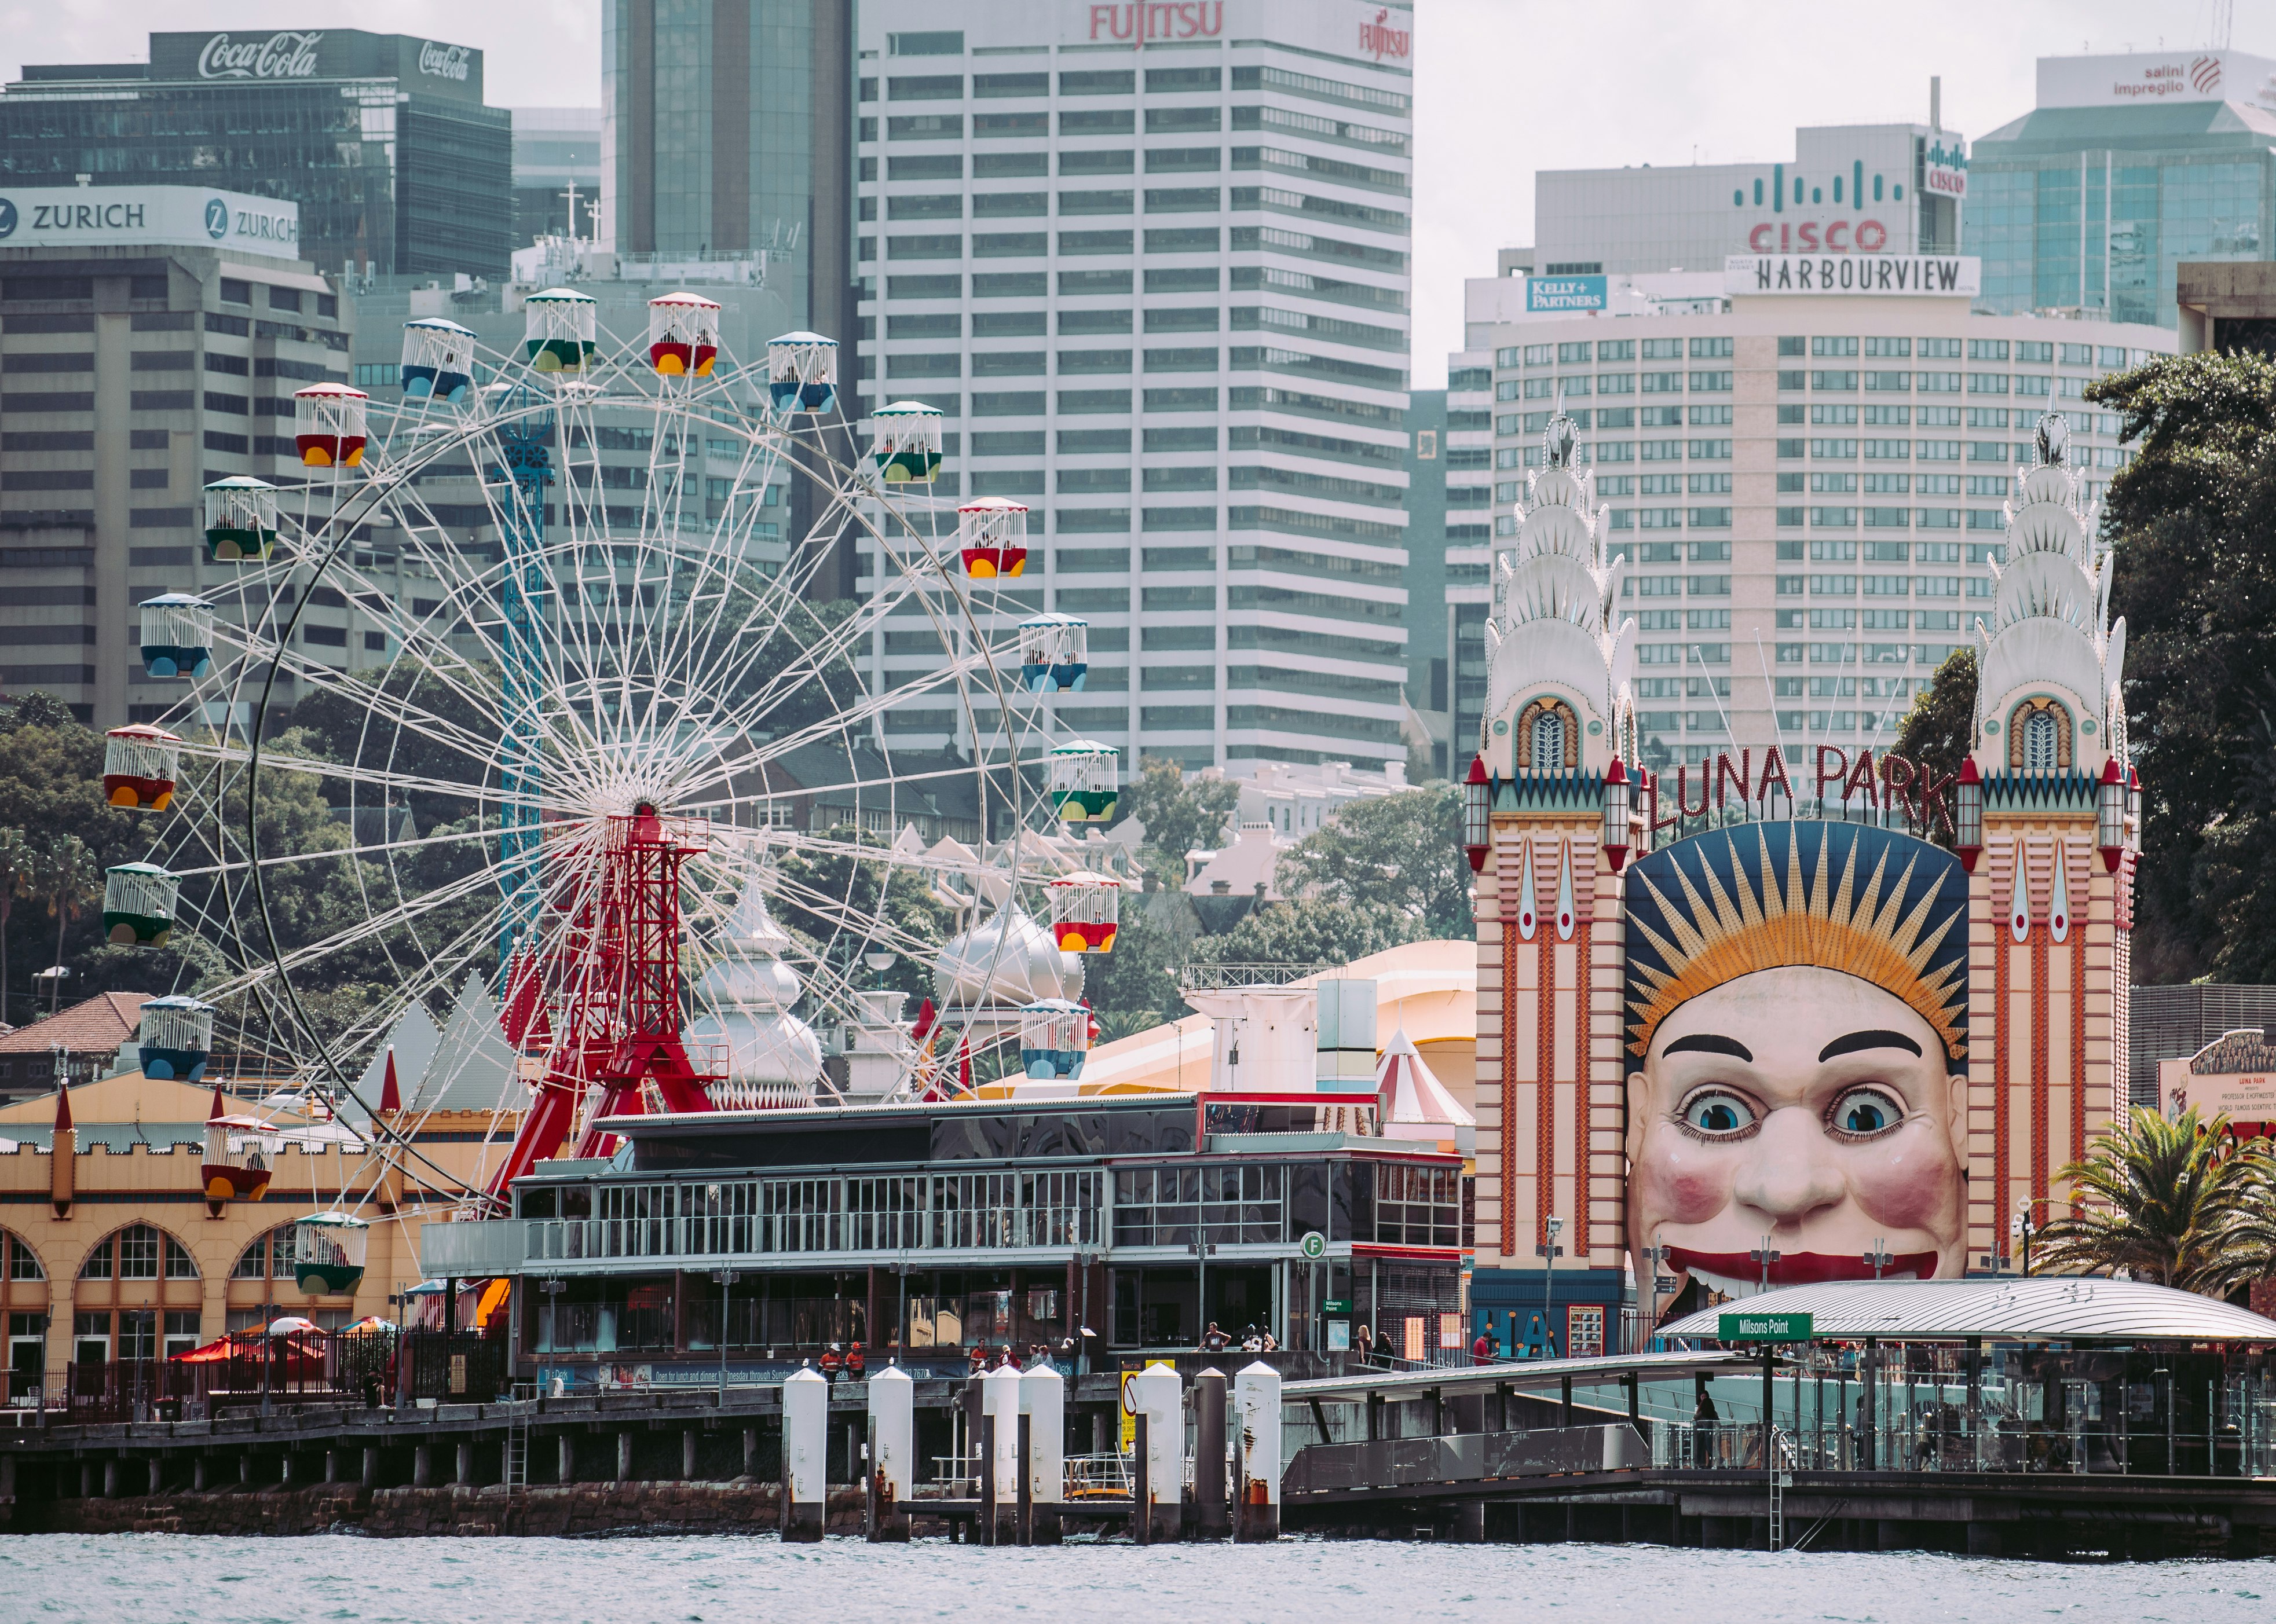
(1252,1341)
(983,1358)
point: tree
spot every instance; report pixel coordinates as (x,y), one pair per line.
(1939,729)
(1132,986)
(1179,814)
(19,865)
(40,709)
(2193,522)
(69,878)
(1402,852)
(2161,1197)
(1311,932)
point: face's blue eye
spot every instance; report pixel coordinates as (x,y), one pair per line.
(1867,1111)
(1718,1114)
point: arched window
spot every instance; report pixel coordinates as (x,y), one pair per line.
(270,1255)
(22,1262)
(1549,740)
(2042,741)
(138,1253)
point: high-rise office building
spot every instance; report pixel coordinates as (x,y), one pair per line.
(1152,263)
(1804,466)
(2128,166)
(151,338)
(727,129)
(381,140)
(556,149)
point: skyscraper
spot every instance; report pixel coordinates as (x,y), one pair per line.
(1152,263)
(727,126)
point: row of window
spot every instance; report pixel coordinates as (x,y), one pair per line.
(1113,81)
(1099,122)
(2027,351)
(1817,415)
(144,1253)
(1923,654)
(1177,240)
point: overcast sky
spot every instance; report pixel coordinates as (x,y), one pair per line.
(1502,88)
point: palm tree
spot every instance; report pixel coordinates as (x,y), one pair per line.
(2251,1252)
(69,878)
(19,866)
(2162,1199)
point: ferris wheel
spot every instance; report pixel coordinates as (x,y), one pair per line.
(524,688)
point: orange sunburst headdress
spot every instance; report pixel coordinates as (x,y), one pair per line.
(1726,905)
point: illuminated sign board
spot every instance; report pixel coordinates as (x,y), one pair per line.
(1927,275)
(1943,171)
(1555,293)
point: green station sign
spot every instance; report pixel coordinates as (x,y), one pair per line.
(1744,1328)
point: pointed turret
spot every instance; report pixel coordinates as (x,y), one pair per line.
(390,1091)
(63,1161)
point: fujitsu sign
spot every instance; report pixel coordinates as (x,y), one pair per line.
(281,55)
(1159,19)
(1379,39)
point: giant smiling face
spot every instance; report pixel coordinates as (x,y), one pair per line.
(1806,1106)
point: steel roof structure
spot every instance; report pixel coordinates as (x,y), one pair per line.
(2056,1307)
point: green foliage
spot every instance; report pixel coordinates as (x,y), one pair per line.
(1312,931)
(1401,853)
(2163,1199)
(1939,729)
(1139,978)
(824,891)
(1179,814)
(2194,519)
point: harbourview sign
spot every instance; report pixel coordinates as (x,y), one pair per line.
(1938,275)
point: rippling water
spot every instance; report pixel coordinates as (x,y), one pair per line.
(156,1579)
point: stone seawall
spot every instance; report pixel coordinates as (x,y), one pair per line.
(582,1509)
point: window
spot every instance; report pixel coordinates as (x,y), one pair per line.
(271,1255)
(1426,444)
(22,1262)
(2039,741)
(236,292)
(1548,738)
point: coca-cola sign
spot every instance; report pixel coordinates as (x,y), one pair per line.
(445,61)
(281,55)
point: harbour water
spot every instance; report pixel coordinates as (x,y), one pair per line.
(157,1579)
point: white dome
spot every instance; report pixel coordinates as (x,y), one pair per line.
(1009,959)
(744,1000)
(2057,484)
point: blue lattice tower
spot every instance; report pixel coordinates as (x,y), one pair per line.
(524,583)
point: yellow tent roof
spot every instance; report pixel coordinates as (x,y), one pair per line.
(1431,988)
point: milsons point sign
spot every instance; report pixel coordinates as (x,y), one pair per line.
(1886,785)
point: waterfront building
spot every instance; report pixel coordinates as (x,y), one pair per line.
(1674,994)
(1152,268)
(1896,189)
(1805,483)
(382,139)
(555,149)
(115,1254)
(2128,166)
(151,338)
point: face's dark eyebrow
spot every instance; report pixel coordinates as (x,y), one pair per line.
(1711,1043)
(1856,1042)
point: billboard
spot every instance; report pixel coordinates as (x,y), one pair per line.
(1912,276)
(2154,77)
(288,56)
(1547,294)
(148,216)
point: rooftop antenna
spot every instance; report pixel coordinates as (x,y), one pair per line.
(1936,102)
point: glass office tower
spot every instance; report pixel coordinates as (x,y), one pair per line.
(382,139)
(2128,166)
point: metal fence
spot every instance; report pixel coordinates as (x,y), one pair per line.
(255,1373)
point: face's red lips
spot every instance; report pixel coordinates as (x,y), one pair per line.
(1801,1268)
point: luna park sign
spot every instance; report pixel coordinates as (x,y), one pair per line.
(1884,782)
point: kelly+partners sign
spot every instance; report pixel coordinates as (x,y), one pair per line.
(1553,293)
(1744,1328)
(135,216)
(1927,275)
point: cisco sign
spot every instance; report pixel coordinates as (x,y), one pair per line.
(148,216)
